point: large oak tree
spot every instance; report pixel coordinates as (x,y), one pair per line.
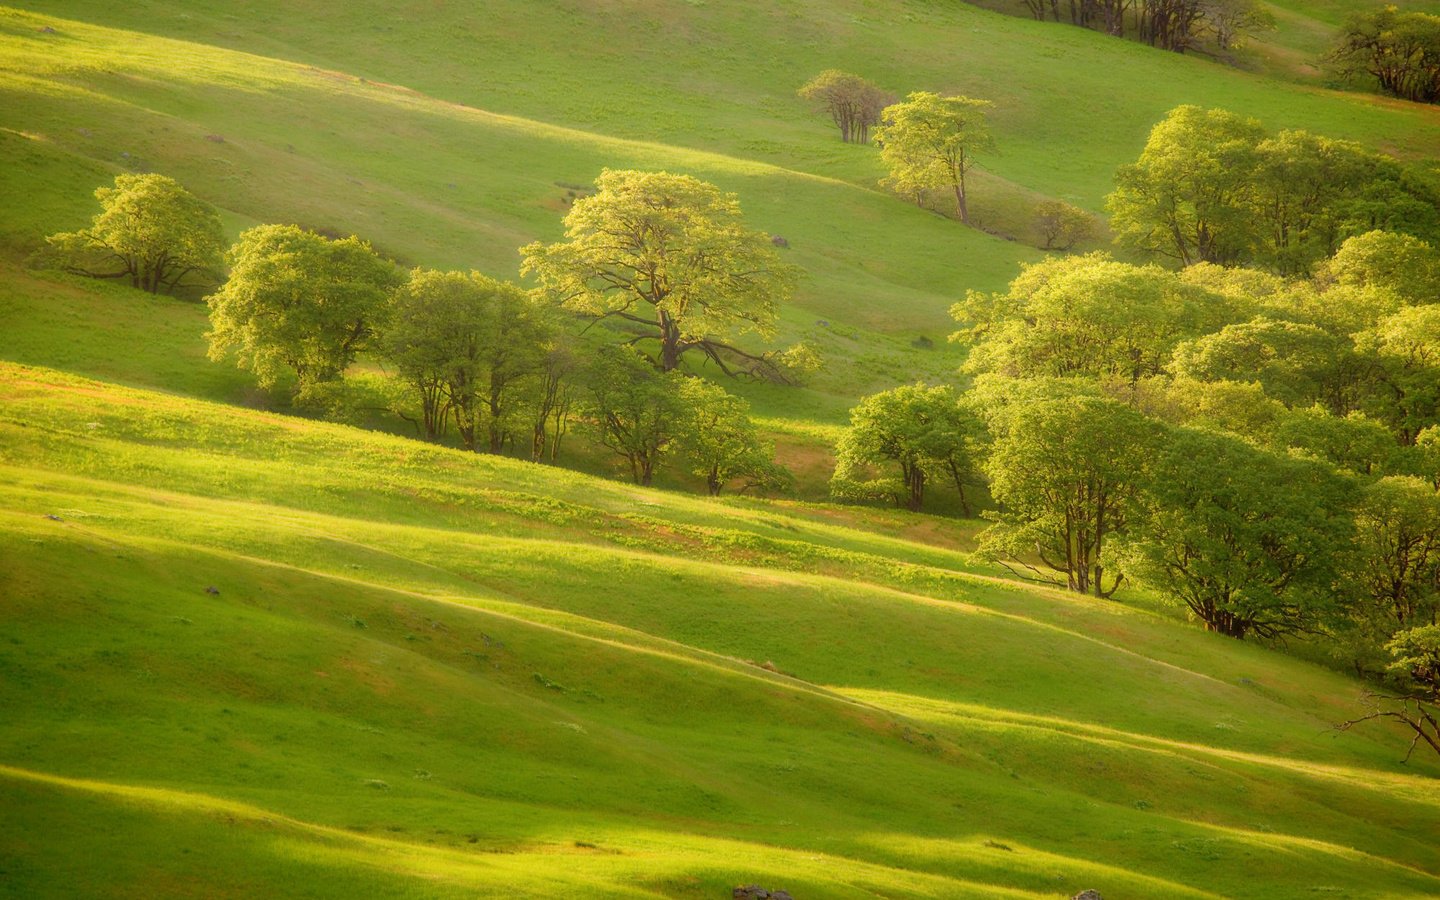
(671,257)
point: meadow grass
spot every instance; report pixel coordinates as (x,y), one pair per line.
(573,677)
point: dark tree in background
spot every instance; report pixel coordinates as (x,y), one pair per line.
(852,103)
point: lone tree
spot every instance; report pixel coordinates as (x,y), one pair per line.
(1062,225)
(298,302)
(853,103)
(930,141)
(150,230)
(669,255)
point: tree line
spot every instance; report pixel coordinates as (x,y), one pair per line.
(1175,25)
(1398,50)
(504,369)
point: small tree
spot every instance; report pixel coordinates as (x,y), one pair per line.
(298,302)
(669,256)
(150,230)
(1065,472)
(852,103)
(465,342)
(719,440)
(930,141)
(1062,226)
(634,411)
(922,431)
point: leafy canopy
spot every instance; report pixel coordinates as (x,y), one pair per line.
(670,257)
(465,342)
(297,302)
(930,142)
(150,230)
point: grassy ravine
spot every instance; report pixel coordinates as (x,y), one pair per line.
(429,673)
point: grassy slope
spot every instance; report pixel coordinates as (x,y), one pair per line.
(503,689)
(442,183)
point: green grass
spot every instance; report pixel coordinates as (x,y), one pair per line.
(570,665)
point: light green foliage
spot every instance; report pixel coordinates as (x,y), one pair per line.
(296,302)
(1064,472)
(1211,186)
(633,410)
(1062,226)
(1399,265)
(1415,665)
(1427,454)
(1184,198)
(1245,538)
(1084,316)
(1394,566)
(1302,187)
(1416,653)
(1239,407)
(852,103)
(473,574)
(1354,442)
(150,231)
(669,255)
(922,431)
(467,343)
(1297,364)
(719,440)
(930,142)
(1405,387)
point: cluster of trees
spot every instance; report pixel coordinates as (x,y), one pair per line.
(1207,417)
(667,257)
(1264,450)
(1212,186)
(1399,50)
(1177,25)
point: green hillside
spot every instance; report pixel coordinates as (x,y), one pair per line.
(245,653)
(425,679)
